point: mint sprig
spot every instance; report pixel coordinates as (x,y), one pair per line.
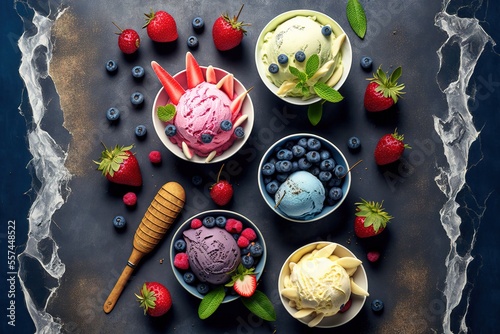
(356,17)
(166,113)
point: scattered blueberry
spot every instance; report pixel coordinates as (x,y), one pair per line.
(170,130)
(247,261)
(282,58)
(220,221)
(206,138)
(302,142)
(354,143)
(325,176)
(268,169)
(140,130)
(304,163)
(324,154)
(256,249)
(119,222)
(377,305)
(137,71)
(192,42)
(272,187)
(313,156)
(339,171)
(366,63)
(180,245)
(326,30)
(226,125)
(335,193)
(327,164)
(300,56)
(239,132)
(284,154)
(189,277)
(298,151)
(273,68)
(202,288)
(208,221)
(197,180)
(111,66)
(313,144)
(112,114)
(283,166)
(198,23)
(136,98)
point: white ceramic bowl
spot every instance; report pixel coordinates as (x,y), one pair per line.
(337,156)
(359,277)
(324,19)
(259,269)
(246,109)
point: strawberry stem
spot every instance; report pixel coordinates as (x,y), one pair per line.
(220,171)
(116,25)
(241,8)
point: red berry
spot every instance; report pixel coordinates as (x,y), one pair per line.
(128,40)
(346,306)
(130,199)
(161,26)
(243,242)
(196,223)
(249,233)
(373,256)
(234,225)
(222,191)
(181,261)
(228,32)
(155,299)
(155,157)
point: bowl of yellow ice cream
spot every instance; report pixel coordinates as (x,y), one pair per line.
(289,41)
(323,284)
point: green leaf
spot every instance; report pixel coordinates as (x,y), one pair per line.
(295,71)
(396,74)
(166,113)
(328,93)
(314,112)
(312,65)
(356,17)
(211,302)
(260,305)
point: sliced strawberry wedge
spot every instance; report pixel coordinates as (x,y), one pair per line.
(173,88)
(238,102)
(194,74)
(246,285)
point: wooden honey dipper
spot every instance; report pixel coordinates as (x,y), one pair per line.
(158,218)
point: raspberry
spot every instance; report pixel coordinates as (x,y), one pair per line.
(345,307)
(181,261)
(243,242)
(234,226)
(196,223)
(249,234)
(373,256)
(130,199)
(155,157)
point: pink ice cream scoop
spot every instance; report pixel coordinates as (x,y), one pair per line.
(213,254)
(198,118)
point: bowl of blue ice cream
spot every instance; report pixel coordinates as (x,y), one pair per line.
(303,177)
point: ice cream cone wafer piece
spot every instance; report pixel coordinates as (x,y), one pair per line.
(210,75)
(160,215)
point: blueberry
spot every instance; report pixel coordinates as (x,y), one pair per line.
(377,305)
(315,171)
(236,236)
(170,130)
(324,154)
(295,166)
(284,154)
(220,221)
(119,222)
(197,180)
(226,125)
(313,156)
(283,166)
(112,114)
(246,250)
(208,221)
(247,261)
(268,169)
(327,164)
(325,176)
(304,163)
(111,66)
(136,98)
(192,42)
(180,245)
(302,142)
(189,277)
(272,187)
(335,193)
(354,143)
(300,56)
(273,68)
(289,144)
(267,179)
(137,71)
(198,23)
(140,130)
(326,30)
(366,63)
(206,138)
(256,249)
(335,182)
(339,171)
(298,151)
(282,58)
(281,177)
(313,144)
(239,132)
(202,288)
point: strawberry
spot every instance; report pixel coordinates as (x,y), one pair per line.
(119,165)
(222,191)
(243,281)
(346,306)
(371,219)
(228,32)
(390,148)
(161,26)
(383,92)
(128,40)
(155,299)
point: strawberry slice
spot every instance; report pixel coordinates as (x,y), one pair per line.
(246,285)
(173,88)
(237,103)
(193,71)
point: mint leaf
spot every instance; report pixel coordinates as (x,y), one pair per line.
(328,93)
(312,65)
(211,302)
(314,112)
(166,113)
(356,17)
(295,71)
(260,305)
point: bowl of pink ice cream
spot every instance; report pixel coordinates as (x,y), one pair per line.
(214,114)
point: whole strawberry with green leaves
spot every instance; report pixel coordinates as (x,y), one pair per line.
(228,32)
(120,165)
(371,219)
(390,148)
(383,91)
(154,298)
(161,26)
